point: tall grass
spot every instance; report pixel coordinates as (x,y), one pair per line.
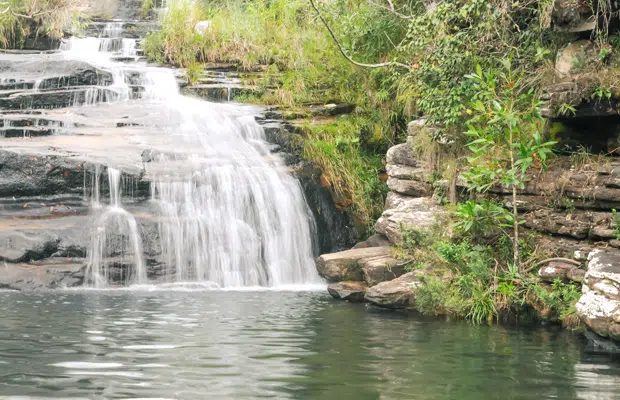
(22,18)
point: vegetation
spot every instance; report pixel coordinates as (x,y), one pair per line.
(474,68)
(477,281)
(20,19)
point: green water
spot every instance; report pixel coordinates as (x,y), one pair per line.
(302,345)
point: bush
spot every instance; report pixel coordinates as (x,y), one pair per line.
(21,18)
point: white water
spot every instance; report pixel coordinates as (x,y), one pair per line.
(228,212)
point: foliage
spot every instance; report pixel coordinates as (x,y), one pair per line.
(22,18)
(193,72)
(147,7)
(616,221)
(348,168)
(506,140)
(177,42)
(478,282)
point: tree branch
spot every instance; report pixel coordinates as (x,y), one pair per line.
(345,55)
(391,9)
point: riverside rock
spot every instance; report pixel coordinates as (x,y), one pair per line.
(398,293)
(348,265)
(599,307)
(419,213)
(349,291)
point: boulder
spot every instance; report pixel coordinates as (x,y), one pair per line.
(555,270)
(382,269)
(349,291)
(420,213)
(402,154)
(347,265)
(573,58)
(409,188)
(599,307)
(398,293)
(406,172)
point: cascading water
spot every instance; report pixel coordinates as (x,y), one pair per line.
(227,210)
(115,240)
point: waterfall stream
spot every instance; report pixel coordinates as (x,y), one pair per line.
(227,210)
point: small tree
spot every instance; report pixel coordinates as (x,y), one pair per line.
(506,140)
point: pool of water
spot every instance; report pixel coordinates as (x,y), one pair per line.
(276,344)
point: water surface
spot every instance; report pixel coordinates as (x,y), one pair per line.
(276,344)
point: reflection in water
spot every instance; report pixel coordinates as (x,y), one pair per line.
(218,344)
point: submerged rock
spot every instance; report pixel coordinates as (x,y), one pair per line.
(350,291)
(398,293)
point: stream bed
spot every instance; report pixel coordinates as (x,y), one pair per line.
(183,342)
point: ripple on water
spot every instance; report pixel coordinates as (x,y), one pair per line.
(149,346)
(87,365)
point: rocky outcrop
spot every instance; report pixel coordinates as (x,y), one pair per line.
(349,265)
(599,307)
(348,291)
(398,293)
(403,211)
(55,273)
(573,16)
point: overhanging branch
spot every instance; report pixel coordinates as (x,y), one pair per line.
(345,55)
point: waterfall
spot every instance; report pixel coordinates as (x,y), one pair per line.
(227,210)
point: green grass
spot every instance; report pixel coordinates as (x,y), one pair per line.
(23,18)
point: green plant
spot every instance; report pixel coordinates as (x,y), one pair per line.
(506,141)
(616,218)
(601,93)
(177,42)
(480,217)
(482,305)
(193,72)
(147,6)
(22,18)
(566,109)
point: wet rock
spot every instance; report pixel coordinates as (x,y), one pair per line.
(349,291)
(419,213)
(402,154)
(50,274)
(376,240)
(409,188)
(398,293)
(347,265)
